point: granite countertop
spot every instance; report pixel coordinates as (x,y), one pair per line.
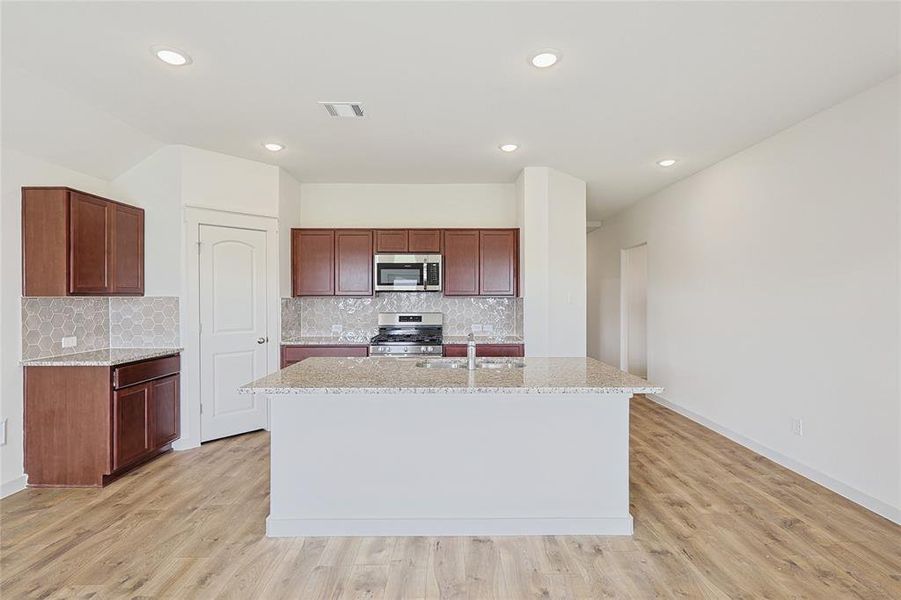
(483,339)
(324,340)
(106,357)
(397,375)
(345,341)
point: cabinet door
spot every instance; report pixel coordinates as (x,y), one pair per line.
(486,350)
(128,250)
(424,241)
(461,262)
(498,258)
(353,262)
(391,240)
(131,431)
(164,411)
(295,354)
(90,245)
(313,262)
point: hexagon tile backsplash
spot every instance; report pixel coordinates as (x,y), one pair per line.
(97,323)
(357,317)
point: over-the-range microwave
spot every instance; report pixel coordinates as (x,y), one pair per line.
(407,272)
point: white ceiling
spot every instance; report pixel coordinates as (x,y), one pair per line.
(444,83)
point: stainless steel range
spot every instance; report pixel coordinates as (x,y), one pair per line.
(408,334)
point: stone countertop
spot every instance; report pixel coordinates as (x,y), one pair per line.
(324,341)
(483,339)
(396,375)
(447,339)
(106,357)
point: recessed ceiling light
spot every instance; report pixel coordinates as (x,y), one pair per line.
(546,58)
(273,147)
(170,56)
(666,162)
(508,147)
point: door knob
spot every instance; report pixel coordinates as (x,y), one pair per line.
(261,340)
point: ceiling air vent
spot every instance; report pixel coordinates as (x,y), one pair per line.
(344,109)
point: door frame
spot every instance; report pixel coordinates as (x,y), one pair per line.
(624,305)
(190,309)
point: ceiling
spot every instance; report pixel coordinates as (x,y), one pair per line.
(442,83)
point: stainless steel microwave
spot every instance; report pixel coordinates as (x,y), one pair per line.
(407,272)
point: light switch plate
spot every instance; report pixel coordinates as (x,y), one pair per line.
(476,327)
(69,342)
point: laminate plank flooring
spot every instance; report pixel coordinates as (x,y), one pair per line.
(712,520)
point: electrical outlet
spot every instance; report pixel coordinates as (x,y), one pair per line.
(487,328)
(798,427)
(477,328)
(3,432)
(337,328)
(70,342)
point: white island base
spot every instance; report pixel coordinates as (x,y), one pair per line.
(447,464)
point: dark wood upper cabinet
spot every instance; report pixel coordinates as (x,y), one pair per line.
(390,240)
(498,262)
(481,262)
(461,262)
(353,262)
(424,241)
(313,262)
(90,245)
(128,250)
(79,244)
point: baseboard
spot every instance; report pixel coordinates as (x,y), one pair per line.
(879,507)
(281,527)
(184,444)
(8,488)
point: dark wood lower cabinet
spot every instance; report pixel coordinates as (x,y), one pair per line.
(131,424)
(486,350)
(295,354)
(85,426)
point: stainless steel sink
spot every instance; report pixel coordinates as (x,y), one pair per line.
(443,363)
(497,364)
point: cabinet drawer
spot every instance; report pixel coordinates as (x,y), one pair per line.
(147,370)
(293,354)
(486,350)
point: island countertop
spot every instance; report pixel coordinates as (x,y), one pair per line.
(402,376)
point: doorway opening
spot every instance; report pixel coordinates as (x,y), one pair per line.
(634,310)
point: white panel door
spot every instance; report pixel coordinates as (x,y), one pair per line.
(233,329)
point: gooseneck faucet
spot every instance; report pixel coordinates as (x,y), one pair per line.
(471,352)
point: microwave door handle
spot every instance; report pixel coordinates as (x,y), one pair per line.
(425,275)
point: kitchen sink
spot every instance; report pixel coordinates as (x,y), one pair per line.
(442,363)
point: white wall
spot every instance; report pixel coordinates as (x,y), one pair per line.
(20,170)
(223,182)
(289,198)
(408,205)
(551,215)
(155,185)
(773,294)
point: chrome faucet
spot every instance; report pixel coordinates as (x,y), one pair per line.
(471,352)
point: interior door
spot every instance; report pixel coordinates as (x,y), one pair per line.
(234,333)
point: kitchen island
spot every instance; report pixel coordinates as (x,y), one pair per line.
(386,446)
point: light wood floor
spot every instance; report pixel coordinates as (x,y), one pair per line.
(712,520)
